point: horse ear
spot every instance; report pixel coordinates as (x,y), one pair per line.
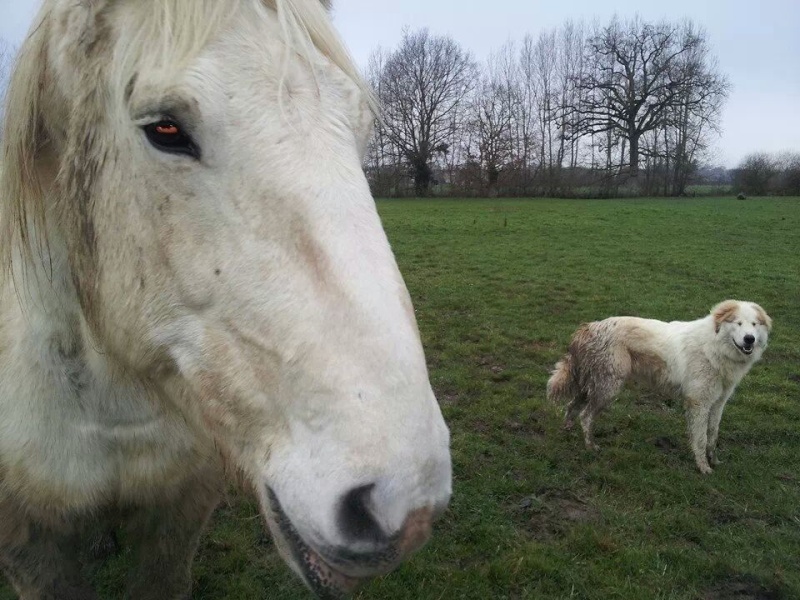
(724,311)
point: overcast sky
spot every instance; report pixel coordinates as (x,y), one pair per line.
(757,43)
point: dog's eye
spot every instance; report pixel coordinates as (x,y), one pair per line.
(754,324)
(739,323)
(169,136)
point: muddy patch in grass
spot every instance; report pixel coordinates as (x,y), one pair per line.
(497,369)
(529,427)
(666,444)
(447,396)
(551,514)
(743,587)
(541,350)
(481,426)
(447,399)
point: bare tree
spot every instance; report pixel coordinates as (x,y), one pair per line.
(421,88)
(695,114)
(525,120)
(380,162)
(546,99)
(570,68)
(637,73)
(559,59)
(489,136)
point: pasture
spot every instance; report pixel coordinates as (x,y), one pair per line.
(498,287)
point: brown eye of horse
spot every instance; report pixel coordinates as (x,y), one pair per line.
(168,129)
(168,136)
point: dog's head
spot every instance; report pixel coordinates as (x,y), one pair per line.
(743,326)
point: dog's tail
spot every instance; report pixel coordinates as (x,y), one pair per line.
(562,386)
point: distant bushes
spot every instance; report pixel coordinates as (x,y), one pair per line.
(764,174)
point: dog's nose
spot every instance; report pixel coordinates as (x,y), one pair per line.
(749,339)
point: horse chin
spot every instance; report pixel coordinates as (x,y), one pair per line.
(324,580)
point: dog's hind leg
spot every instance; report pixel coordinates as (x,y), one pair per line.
(593,408)
(606,374)
(601,394)
(574,408)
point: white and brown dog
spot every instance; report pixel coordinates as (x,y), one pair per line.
(702,361)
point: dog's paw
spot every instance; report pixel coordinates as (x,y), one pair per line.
(705,469)
(712,459)
(592,447)
(568,424)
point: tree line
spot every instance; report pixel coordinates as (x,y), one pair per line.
(596,110)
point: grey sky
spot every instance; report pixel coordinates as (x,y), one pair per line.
(757,44)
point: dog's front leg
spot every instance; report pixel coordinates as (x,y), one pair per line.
(714,418)
(697,415)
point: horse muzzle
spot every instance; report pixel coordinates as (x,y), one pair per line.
(337,571)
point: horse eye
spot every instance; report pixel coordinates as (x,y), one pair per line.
(168,136)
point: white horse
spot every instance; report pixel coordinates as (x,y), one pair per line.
(198,282)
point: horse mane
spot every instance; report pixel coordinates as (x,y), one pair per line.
(167,36)
(21,203)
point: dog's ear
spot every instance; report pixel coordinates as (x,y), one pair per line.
(763,318)
(724,312)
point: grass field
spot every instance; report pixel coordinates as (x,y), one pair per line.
(499,286)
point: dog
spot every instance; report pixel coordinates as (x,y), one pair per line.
(701,361)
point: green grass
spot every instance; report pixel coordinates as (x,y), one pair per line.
(499,286)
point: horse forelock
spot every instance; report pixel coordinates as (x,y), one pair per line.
(76,41)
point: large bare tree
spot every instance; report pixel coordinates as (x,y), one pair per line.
(637,74)
(422,86)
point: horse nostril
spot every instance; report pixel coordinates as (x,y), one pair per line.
(749,339)
(355,516)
